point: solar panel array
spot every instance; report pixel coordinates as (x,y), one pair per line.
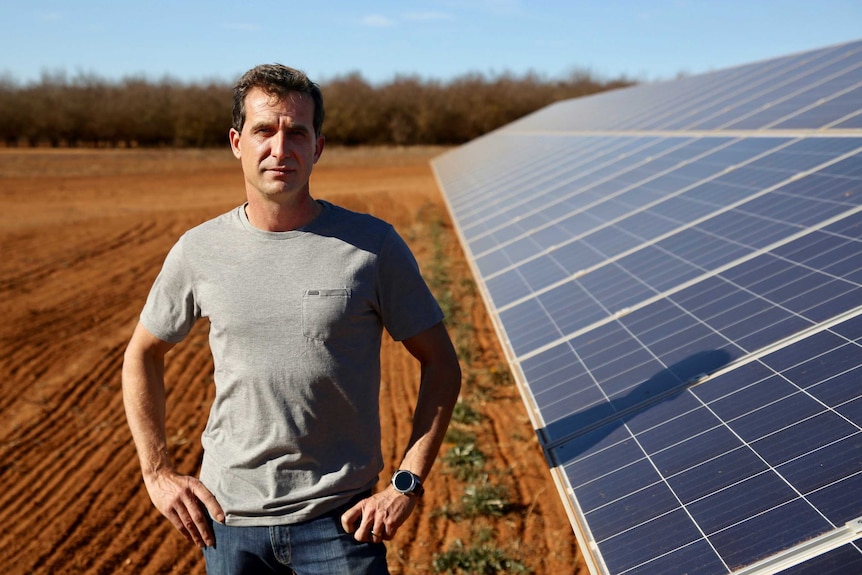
(675,273)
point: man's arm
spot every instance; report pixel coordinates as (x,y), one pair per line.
(380,516)
(177,497)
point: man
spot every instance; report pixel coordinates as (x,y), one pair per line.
(297,292)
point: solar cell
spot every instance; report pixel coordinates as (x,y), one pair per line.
(676,272)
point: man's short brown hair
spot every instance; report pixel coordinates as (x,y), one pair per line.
(276,80)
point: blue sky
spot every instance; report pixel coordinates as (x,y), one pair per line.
(200,40)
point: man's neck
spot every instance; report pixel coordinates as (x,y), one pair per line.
(276,217)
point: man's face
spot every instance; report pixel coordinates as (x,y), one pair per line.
(277,146)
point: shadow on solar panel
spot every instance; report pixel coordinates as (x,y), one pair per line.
(663,386)
(675,273)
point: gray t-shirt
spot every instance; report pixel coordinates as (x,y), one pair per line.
(296,320)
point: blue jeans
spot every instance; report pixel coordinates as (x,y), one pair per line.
(319,546)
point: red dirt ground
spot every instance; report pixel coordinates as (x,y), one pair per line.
(83,235)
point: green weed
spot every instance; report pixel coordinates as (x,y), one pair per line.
(465,414)
(459,436)
(483,559)
(485,499)
(465,461)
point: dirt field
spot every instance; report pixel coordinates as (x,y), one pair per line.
(83,235)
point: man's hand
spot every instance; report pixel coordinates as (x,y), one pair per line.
(377,518)
(178,497)
(181,499)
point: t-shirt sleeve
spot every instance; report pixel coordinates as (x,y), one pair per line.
(171,310)
(407,305)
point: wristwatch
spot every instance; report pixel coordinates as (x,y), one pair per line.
(408,483)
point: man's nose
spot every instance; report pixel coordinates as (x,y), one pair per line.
(279,144)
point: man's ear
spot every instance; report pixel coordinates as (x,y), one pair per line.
(233,136)
(318,148)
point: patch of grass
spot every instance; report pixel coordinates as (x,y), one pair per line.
(470,380)
(465,461)
(482,499)
(465,352)
(468,285)
(449,294)
(482,559)
(459,436)
(450,306)
(500,375)
(464,414)
(485,499)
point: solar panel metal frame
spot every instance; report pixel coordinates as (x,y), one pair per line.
(803,112)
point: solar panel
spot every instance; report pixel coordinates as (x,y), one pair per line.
(675,273)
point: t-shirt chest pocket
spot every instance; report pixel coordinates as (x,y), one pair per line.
(324,312)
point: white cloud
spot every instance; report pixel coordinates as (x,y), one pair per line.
(377,21)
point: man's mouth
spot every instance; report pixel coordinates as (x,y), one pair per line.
(280,170)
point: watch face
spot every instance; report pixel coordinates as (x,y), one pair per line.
(403,482)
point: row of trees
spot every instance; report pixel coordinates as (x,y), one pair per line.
(89,111)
